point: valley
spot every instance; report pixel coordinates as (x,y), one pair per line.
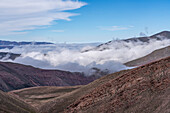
(29,89)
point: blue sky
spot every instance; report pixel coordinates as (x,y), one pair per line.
(84,21)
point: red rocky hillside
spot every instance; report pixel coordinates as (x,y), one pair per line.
(16,76)
(145,89)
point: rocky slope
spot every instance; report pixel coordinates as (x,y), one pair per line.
(60,103)
(155,55)
(16,76)
(10,104)
(145,89)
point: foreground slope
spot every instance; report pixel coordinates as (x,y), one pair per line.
(145,89)
(60,103)
(9,104)
(38,96)
(16,76)
(155,55)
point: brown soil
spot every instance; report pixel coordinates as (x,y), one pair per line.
(145,89)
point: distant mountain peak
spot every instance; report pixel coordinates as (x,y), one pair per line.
(164,32)
(159,36)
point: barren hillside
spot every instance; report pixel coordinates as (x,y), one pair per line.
(16,76)
(155,55)
(145,89)
(10,104)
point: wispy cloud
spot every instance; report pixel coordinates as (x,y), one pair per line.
(114,28)
(21,15)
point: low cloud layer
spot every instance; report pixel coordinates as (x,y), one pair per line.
(71,58)
(16,16)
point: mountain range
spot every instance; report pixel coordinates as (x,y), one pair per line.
(159,36)
(143,89)
(11,44)
(17,76)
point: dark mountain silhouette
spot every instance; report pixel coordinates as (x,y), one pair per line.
(16,76)
(11,44)
(2,42)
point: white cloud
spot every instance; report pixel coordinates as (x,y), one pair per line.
(19,15)
(114,28)
(71,58)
